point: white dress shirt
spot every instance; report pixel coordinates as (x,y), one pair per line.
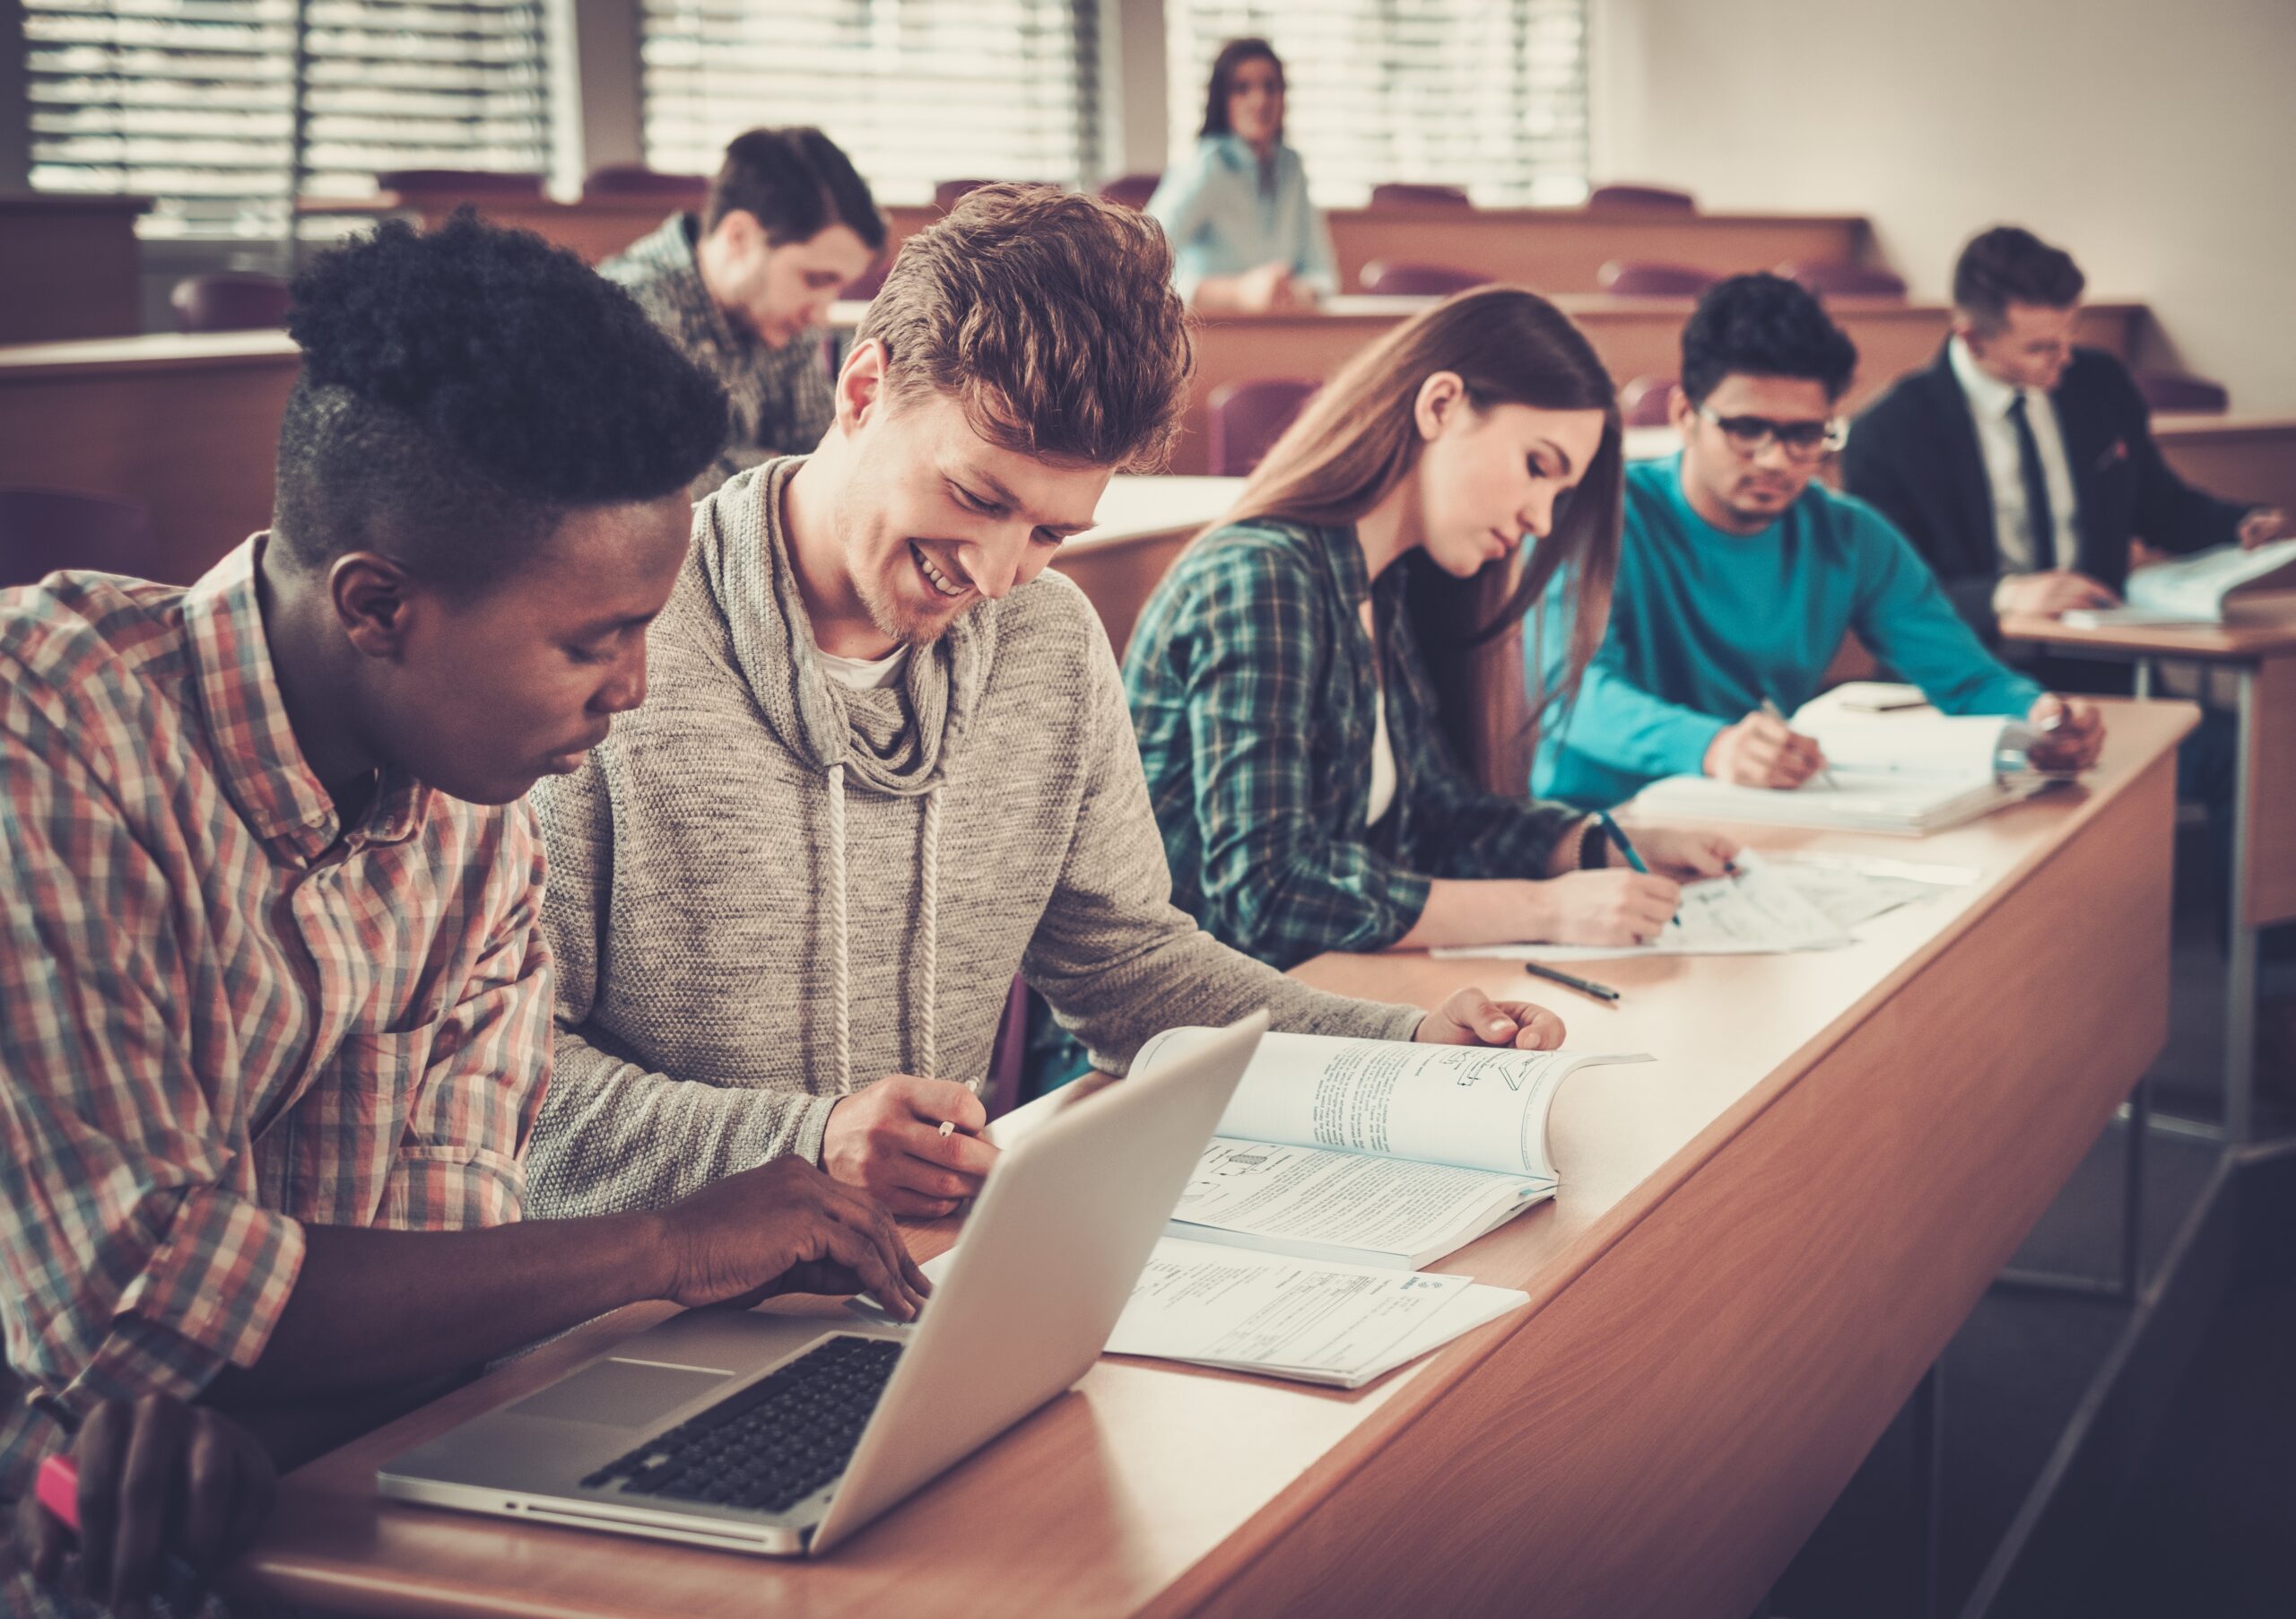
(1989,400)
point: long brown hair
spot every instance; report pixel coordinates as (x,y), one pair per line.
(1358,439)
(1234,55)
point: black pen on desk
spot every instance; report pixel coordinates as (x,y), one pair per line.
(1601,992)
(57,1487)
(1769,707)
(1617,834)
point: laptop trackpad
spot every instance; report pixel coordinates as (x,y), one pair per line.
(619,1394)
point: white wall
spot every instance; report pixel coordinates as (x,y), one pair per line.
(2154,139)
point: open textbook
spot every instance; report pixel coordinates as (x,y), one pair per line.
(2219,585)
(1375,1152)
(1774,904)
(1907,773)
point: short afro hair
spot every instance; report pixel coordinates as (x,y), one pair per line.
(1763,326)
(463,390)
(2009,264)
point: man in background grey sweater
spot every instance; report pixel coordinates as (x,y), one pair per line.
(884,766)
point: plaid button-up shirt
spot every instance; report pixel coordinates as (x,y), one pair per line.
(782,399)
(1252,687)
(222,1013)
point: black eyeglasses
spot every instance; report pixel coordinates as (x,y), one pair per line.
(1801,440)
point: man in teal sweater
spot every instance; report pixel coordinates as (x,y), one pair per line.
(1738,577)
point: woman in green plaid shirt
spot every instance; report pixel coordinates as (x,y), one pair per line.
(1313,679)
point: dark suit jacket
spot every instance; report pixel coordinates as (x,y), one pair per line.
(1914,453)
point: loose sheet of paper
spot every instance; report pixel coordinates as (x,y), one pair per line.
(1225,1306)
(1775,905)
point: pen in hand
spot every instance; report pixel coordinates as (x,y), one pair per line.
(1617,835)
(1769,707)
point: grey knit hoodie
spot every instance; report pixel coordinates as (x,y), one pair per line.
(767,889)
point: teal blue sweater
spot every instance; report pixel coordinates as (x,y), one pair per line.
(1704,624)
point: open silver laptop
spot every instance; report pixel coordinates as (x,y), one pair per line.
(782,1435)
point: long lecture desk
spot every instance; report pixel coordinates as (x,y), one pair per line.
(1558,249)
(1762,1239)
(190,425)
(2260,659)
(1635,336)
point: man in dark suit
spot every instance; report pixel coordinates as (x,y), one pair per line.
(2022,466)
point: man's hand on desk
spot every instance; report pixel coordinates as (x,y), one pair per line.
(1472,1018)
(2265,525)
(888,1138)
(2073,733)
(157,1478)
(1763,750)
(2049,595)
(786,1227)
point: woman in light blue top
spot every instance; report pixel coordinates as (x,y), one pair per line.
(1245,238)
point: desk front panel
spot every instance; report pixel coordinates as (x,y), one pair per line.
(198,442)
(2269,812)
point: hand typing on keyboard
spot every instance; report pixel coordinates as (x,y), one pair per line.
(786,1227)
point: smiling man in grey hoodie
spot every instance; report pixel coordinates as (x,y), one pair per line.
(884,765)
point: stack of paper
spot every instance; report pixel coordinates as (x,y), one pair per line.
(1905,773)
(1893,803)
(1342,1325)
(2212,587)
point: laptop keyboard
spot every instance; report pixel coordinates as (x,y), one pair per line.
(773,1443)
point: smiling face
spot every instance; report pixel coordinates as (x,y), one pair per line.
(1255,102)
(779,293)
(481,695)
(928,518)
(1743,493)
(1490,479)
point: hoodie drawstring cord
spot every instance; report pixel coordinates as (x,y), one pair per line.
(836,904)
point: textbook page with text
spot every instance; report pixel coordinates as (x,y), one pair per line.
(1363,1152)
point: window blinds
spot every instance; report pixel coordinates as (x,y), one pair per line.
(916,91)
(224,109)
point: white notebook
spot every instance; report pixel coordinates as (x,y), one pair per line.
(2206,589)
(1905,773)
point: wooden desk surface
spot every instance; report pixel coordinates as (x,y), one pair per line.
(1761,1239)
(1558,249)
(2212,643)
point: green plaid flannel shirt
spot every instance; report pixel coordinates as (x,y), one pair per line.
(1252,692)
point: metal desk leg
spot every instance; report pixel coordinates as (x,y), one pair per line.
(2240,948)
(2143,679)
(2122,1286)
(1926,1412)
